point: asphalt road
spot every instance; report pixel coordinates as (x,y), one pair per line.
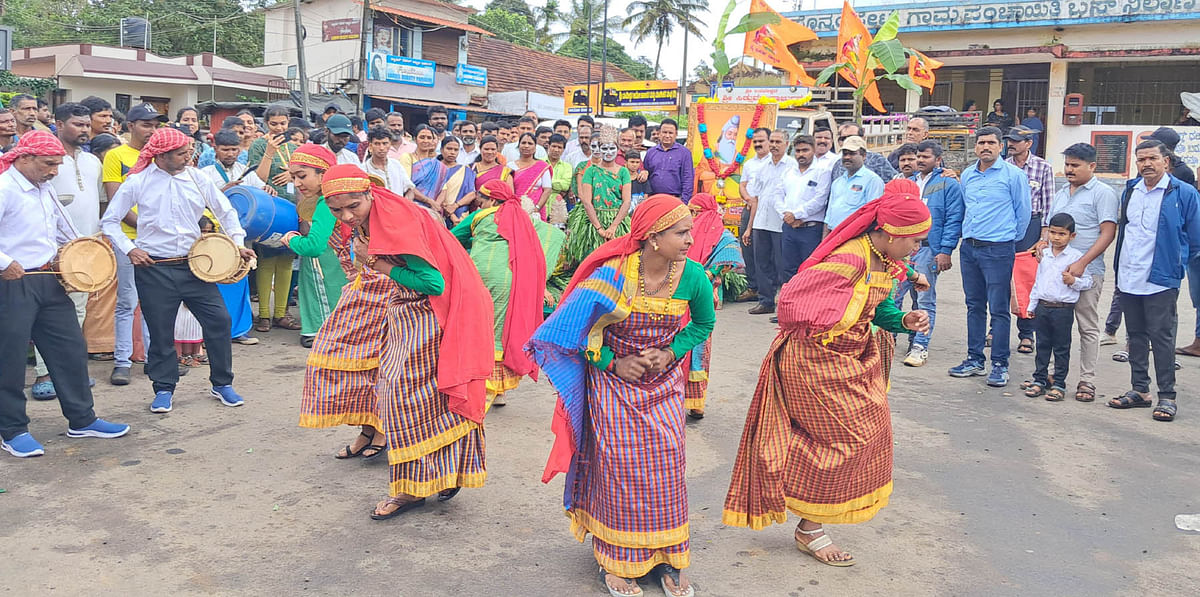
(995,494)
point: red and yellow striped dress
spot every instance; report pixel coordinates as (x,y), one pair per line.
(818,436)
(342,367)
(429,448)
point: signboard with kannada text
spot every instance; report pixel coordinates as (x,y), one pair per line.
(750,95)
(469,74)
(622,96)
(401,69)
(340,29)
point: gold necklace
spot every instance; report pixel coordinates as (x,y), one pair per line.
(887,261)
(663,284)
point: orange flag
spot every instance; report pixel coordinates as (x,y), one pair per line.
(921,67)
(769,43)
(853,39)
(872,94)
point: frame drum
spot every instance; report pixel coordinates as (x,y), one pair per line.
(86,264)
(214,258)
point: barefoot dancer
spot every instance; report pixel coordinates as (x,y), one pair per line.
(818,437)
(437,348)
(615,352)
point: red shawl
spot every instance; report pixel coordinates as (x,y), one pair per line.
(707,227)
(463,310)
(527,261)
(655,214)
(899,212)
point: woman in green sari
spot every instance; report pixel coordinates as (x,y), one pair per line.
(603,210)
(321,276)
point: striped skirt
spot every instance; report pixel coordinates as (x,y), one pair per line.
(342,367)
(430,449)
(501,380)
(696,392)
(818,437)
(629,486)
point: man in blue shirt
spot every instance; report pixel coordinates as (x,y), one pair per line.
(997,211)
(855,186)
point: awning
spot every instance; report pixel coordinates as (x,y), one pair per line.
(426,104)
(426,18)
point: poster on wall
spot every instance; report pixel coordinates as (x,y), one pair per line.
(340,29)
(400,69)
(1112,151)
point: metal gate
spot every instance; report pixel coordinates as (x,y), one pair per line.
(1022,94)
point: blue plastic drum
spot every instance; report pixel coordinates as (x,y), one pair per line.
(264,217)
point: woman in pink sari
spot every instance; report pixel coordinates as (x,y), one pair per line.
(530,177)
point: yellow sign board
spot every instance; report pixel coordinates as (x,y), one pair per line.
(622,96)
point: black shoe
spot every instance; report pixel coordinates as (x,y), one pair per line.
(774,320)
(761,309)
(307,341)
(119,377)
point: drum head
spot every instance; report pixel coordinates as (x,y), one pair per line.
(87,265)
(214,257)
(242,271)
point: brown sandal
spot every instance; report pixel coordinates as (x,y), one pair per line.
(1085,391)
(264,325)
(286,322)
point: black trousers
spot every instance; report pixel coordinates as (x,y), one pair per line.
(768,263)
(748,252)
(1054,327)
(1113,321)
(36,307)
(798,244)
(161,288)
(1151,320)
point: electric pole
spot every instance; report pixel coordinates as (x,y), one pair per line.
(301,73)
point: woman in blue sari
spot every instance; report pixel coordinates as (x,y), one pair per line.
(458,192)
(427,172)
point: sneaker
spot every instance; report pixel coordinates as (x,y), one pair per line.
(119,377)
(22,446)
(246,340)
(999,376)
(916,357)
(1108,339)
(967,368)
(162,402)
(226,395)
(100,428)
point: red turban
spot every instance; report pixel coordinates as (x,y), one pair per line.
(655,214)
(707,226)
(463,310)
(899,212)
(32,143)
(162,141)
(497,190)
(314,156)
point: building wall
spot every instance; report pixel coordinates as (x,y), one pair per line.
(279,42)
(1188,149)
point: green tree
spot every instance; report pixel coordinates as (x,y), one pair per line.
(177,26)
(576,20)
(544,18)
(508,26)
(657,19)
(517,7)
(577,47)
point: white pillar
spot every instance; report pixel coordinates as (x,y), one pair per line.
(1054,113)
(912,100)
(995,88)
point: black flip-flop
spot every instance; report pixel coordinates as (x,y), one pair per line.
(351,453)
(378,450)
(1130,399)
(447,495)
(403,507)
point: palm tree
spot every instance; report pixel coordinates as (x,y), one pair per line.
(576,20)
(544,17)
(658,18)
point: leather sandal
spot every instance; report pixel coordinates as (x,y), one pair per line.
(286,322)
(812,547)
(348,453)
(263,325)
(1165,410)
(1085,391)
(402,507)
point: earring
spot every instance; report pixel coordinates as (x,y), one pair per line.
(655,245)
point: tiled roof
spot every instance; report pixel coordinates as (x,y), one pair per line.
(516,68)
(138,68)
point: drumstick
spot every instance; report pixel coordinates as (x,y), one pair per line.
(49,271)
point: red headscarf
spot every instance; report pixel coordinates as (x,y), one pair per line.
(655,214)
(314,156)
(527,260)
(899,212)
(163,140)
(32,143)
(707,226)
(463,310)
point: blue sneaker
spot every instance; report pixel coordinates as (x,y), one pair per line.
(967,368)
(226,395)
(100,428)
(999,376)
(162,402)
(22,446)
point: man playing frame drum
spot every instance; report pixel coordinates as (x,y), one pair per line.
(171,197)
(32,226)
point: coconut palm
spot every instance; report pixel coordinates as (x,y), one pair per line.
(657,19)
(576,20)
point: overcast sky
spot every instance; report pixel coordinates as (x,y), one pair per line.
(672,55)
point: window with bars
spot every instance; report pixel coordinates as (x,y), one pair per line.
(1141,93)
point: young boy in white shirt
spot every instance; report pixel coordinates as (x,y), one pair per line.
(1052,302)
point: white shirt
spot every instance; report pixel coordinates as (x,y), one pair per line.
(78,188)
(748,169)
(1141,234)
(1049,285)
(573,153)
(922,180)
(828,160)
(394,177)
(169,210)
(32,223)
(232,173)
(467,158)
(770,186)
(512,154)
(345,156)
(807,194)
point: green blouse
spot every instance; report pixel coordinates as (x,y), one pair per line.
(316,242)
(606,186)
(419,276)
(888,316)
(695,288)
